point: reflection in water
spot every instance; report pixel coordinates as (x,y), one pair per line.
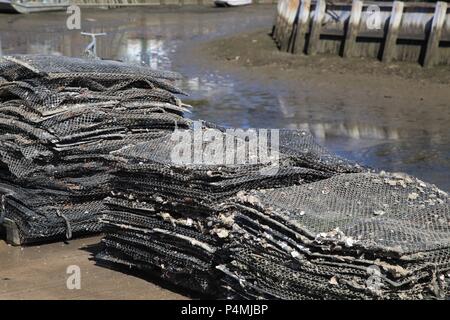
(389,138)
(349,130)
(150,52)
(42,48)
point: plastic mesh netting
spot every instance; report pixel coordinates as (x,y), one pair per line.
(360,235)
(320,227)
(59,120)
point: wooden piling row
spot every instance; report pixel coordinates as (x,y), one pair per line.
(305,26)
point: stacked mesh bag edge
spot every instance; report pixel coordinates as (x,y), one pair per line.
(308,225)
(59,119)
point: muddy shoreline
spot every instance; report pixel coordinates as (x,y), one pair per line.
(389,116)
(257,51)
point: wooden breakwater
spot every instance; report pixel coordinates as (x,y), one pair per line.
(389,31)
(133,3)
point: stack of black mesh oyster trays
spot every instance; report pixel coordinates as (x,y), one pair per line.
(59,119)
(354,236)
(165,216)
(302,233)
(318,227)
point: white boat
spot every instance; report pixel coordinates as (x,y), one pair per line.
(28,6)
(232,3)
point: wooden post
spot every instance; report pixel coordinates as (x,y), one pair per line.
(276,21)
(432,50)
(283,24)
(285,28)
(279,24)
(316,28)
(291,14)
(302,26)
(391,36)
(352,28)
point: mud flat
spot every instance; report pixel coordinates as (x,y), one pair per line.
(40,272)
(258,52)
(392,116)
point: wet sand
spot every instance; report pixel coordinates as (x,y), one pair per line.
(40,272)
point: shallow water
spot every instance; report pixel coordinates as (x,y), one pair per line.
(395,140)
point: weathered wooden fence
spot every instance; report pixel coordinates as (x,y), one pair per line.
(388,31)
